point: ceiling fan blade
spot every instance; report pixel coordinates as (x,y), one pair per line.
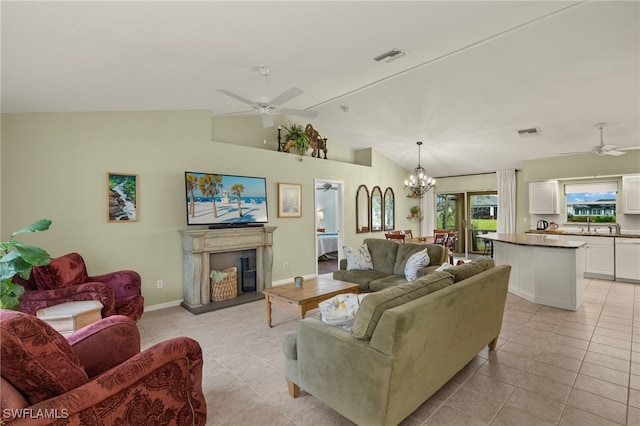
(286,96)
(573,153)
(222,114)
(606,147)
(614,153)
(267,120)
(630,148)
(300,112)
(235,96)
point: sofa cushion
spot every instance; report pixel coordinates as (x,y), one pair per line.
(37,360)
(405,251)
(64,271)
(386,282)
(383,255)
(415,262)
(374,305)
(469,269)
(362,278)
(358,258)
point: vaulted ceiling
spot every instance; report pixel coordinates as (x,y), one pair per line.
(475,73)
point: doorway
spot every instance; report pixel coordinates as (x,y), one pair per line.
(469,214)
(328,224)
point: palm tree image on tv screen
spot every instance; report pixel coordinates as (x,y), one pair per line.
(225,199)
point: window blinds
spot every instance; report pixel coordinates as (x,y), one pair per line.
(580,188)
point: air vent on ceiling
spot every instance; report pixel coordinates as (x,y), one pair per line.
(529,132)
(391,55)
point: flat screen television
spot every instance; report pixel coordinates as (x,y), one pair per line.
(223,201)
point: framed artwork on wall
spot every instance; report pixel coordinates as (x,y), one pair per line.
(122,197)
(289,199)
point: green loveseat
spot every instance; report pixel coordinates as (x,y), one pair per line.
(406,342)
(389,260)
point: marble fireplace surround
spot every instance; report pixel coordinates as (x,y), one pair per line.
(199,244)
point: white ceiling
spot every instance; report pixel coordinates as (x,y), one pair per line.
(476,71)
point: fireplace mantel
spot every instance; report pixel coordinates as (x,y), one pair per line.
(199,244)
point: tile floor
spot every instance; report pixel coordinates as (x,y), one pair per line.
(552,367)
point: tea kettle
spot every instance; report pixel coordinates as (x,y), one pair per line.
(542,225)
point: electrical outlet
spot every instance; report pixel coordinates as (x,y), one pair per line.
(285,266)
(159,284)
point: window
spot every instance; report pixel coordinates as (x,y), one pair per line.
(596,201)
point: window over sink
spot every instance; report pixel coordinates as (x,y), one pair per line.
(595,201)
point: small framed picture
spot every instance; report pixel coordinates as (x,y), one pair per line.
(289,199)
(122,197)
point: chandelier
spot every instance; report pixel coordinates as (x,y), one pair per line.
(419,183)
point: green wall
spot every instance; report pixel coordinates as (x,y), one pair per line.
(54,166)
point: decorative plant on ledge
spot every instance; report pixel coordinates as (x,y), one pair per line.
(298,137)
(19,258)
(415,211)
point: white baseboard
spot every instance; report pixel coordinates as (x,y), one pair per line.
(162,305)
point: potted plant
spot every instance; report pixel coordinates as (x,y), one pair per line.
(415,211)
(18,258)
(298,137)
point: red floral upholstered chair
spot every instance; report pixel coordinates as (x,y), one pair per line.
(65,279)
(96,376)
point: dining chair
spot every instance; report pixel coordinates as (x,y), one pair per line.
(394,236)
(440,238)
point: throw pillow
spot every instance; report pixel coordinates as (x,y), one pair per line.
(37,360)
(340,310)
(416,261)
(358,258)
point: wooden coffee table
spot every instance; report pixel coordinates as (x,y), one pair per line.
(307,297)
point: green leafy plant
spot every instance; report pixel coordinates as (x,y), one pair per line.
(415,210)
(19,258)
(298,136)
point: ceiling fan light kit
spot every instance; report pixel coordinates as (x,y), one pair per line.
(269,108)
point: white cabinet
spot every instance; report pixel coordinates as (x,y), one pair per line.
(599,256)
(543,197)
(631,194)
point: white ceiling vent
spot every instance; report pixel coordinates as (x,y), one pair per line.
(391,55)
(525,133)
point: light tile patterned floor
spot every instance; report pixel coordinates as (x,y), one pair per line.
(552,367)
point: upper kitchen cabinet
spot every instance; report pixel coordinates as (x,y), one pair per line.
(543,197)
(631,194)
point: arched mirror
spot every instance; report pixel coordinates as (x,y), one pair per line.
(362,209)
(376,209)
(389,210)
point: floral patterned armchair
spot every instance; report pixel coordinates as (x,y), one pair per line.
(65,279)
(97,376)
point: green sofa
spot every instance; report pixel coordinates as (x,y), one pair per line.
(389,259)
(406,342)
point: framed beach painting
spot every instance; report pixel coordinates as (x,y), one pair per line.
(122,197)
(289,199)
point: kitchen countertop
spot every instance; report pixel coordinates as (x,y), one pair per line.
(532,240)
(582,234)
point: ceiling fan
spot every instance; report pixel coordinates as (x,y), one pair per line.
(603,149)
(327,186)
(267,108)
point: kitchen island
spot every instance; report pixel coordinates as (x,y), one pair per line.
(543,270)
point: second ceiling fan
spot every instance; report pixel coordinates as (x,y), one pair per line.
(267,108)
